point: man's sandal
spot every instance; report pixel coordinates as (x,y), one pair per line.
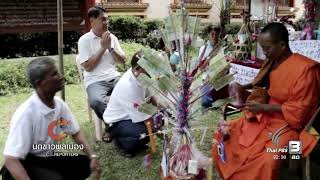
(107,137)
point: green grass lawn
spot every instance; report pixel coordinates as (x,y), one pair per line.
(114,166)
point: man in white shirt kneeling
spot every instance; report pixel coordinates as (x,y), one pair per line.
(125,121)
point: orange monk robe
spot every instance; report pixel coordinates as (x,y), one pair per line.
(295,85)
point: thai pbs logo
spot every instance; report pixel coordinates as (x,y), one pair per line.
(295,149)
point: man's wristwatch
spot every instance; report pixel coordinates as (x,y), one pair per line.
(110,50)
(93,156)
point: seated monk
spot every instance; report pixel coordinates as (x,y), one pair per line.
(285,95)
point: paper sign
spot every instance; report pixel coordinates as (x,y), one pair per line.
(309,48)
(243,74)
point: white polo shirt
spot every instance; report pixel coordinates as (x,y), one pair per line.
(205,55)
(29,126)
(105,70)
(125,94)
(208,50)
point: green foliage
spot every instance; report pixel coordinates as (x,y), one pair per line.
(71,73)
(154,25)
(127,27)
(232,28)
(153,40)
(13,75)
(153,36)
(133,29)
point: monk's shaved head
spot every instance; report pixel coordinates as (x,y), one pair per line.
(278,32)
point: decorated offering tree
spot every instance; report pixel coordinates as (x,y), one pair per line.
(177,93)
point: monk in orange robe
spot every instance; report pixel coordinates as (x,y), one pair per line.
(293,88)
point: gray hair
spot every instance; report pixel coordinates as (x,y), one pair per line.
(37,68)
